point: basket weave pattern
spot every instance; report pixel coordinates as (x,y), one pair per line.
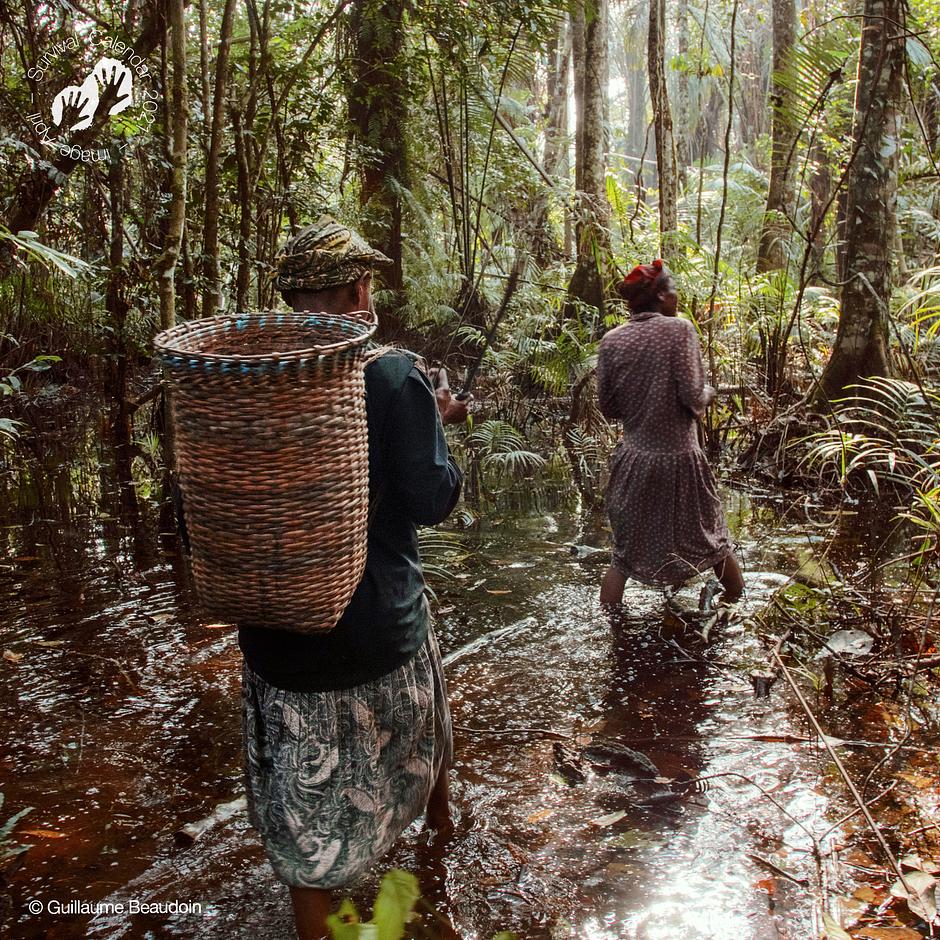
(273,462)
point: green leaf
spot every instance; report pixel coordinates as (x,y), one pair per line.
(344,925)
(396,900)
(9,427)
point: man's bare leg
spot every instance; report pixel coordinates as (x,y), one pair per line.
(438,813)
(612,587)
(729,574)
(311,909)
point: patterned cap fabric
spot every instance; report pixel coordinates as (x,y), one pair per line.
(323,255)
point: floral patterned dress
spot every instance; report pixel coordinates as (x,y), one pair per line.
(333,778)
(664,510)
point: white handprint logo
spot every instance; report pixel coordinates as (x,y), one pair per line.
(75,106)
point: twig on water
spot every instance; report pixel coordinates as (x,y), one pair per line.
(543,732)
(863,808)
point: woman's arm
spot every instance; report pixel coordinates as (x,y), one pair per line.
(690,371)
(606,386)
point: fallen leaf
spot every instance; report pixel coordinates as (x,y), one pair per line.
(51,644)
(539,816)
(767,884)
(632,839)
(42,833)
(215,626)
(918,890)
(917,780)
(847,643)
(603,821)
(867,894)
(833,930)
(12,657)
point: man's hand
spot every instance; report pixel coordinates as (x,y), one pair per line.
(452,410)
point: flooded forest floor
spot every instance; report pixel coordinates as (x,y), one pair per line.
(121,714)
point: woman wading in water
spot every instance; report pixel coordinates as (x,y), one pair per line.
(665,514)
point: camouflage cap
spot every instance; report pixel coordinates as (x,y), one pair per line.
(323,255)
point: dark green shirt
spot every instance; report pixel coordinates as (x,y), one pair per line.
(416,483)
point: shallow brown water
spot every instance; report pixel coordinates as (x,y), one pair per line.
(121,724)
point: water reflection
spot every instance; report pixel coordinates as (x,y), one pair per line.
(124,720)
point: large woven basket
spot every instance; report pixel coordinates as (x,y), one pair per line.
(273,462)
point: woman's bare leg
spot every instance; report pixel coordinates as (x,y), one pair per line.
(311,909)
(612,587)
(729,574)
(438,813)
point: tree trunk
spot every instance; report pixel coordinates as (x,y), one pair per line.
(683,151)
(378,103)
(578,63)
(820,188)
(116,300)
(662,122)
(636,126)
(212,289)
(861,346)
(545,248)
(179,111)
(589,280)
(243,272)
(772,253)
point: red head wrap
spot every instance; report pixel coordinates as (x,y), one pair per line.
(644,274)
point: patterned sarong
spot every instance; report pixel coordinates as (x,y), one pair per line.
(333,778)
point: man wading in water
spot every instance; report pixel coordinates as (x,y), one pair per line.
(348,734)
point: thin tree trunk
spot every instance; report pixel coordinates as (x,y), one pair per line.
(116,300)
(781,195)
(636,126)
(204,58)
(683,154)
(243,271)
(589,280)
(861,345)
(578,67)
(378,105)
(662,120)
(179,112)
(820,189)
(212,290)
(555,160)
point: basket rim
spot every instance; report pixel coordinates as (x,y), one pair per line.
(164,342)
